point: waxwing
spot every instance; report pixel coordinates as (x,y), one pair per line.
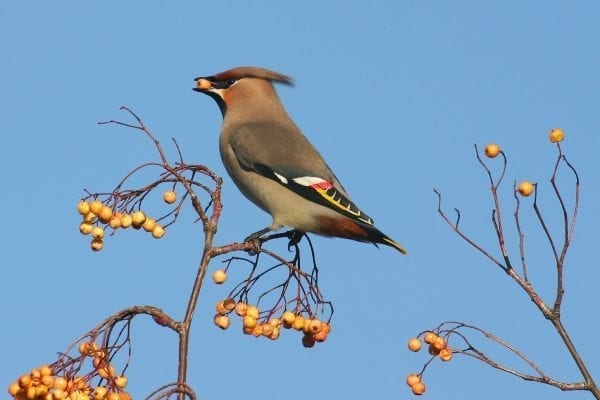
(275,166)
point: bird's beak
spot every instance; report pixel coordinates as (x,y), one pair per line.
(202,85)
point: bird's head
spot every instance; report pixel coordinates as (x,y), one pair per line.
(241,84)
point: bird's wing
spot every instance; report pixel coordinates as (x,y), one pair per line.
(286,156)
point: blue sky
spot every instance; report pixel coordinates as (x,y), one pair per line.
(394,95)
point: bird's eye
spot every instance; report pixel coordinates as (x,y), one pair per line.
(229,82)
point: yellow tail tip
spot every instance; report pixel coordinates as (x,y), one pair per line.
(395,245)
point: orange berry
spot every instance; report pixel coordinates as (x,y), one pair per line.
(433,350)
(220,307)
(429,337)
(24,381)
(557,135)
(97,232)
(275,322)
(14,389)
(149,224)
(439,343)
(96,207)
(257,330)
(418,388)
(414,344)
(326,327)
(113,396)
(445,354)
(314,326)
(60,394)
(169,197)
(97,244)
(83,207)
(219,276)
(492,150)
(267,329)
(308,341)
(35,375)
(229,304)
(47,380)
(126,221)
(413,378)
(525,188)
(85,228)
(158,231)
(320,336)
(241,308)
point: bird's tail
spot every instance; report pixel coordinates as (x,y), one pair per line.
(387,241)
(376,236)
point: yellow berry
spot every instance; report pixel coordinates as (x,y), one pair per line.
(85,228)
(89,217)
(492,150)
(158,231)
(445,354)
(137,219)
(60,394)
(169,197)
(267,329)
(275,334)
(113,396)
(35,375)
(97,244)
(124,396)
(149,224)
(219,276)
(418,388)
(557,135)
(288,318)
(249,322)
(525,188)
(126,221)
(121,381)
(115,222)
(411,379)
(83,207)
(299,323)
(308,341)
(47,380)
(60,383)
(252,311)
(414,344)
(100,392)
(97,232)
(24,381)
(105,214)
(96,207)
(429,337)
(222,321)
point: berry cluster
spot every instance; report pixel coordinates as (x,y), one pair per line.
(97,217)
(438,347)
(44,384)
(313,329)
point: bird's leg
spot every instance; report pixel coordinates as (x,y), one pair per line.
(257,234)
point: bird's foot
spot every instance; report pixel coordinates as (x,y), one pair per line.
(257,240)
(295,237)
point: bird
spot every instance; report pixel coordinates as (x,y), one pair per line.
(275,166)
